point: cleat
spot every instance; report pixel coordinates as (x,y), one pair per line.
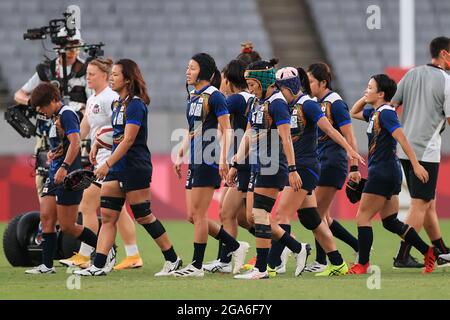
(169,268)
(249,265)
(301,258)
(110,260)
(407,262)
(429,260)
(359,268)
(189,271)
(272,272)
(284,259)
(443,260)
(239,256)
(315,267)
(217,266)
(77,260)
(254,274)
(92,271)
(333,270)
(41,269)
(131,262)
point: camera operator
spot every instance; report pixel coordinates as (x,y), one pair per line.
(52,71)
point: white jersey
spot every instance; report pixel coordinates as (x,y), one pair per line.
(98,114)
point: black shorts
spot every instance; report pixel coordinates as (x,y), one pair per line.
(310,178)
(131,180)
(275,181)
(203,175)
(384,180)
(63,197)
(332,177)
(417,189)
(243,179)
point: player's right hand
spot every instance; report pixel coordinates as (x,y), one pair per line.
(93,154)
(177,166)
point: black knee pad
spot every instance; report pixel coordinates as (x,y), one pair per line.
(263,231)
(263,202)
(155,229)
(141,210)
(394,225)
(309,218)
(113,203)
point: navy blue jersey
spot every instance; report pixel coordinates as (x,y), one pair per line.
(336,110)
(131,111)
(239,107)
(64,123)
(203,109)
(382,122)
(264,117)
(305,113)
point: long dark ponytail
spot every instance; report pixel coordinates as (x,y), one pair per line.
(304,80)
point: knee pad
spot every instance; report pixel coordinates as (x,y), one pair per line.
(309,218)
(262,207)
(155,229)
(141,210)
(113,203)
(394,225)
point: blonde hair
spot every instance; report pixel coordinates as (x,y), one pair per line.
(104,64)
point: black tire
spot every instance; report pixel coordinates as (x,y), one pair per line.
(16,255)
(27,231)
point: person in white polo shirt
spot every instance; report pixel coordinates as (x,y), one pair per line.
(424,93)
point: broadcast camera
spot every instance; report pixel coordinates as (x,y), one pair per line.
(64,34)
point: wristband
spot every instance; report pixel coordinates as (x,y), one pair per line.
(354,168)
(107,164)
(65,165)
(234,165)
(292,168)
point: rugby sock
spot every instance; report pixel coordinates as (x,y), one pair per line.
(291,243)
(131,250)
(439,243)
(88,237)
(342,234)
(199,254)
(100,260)
(261,259)
(365,240)
(86,250)
(403,251)
(48,248)
(321,257)
(170,255)
(274,258)
(225,255)
(413,239)
(228,240)
(219,250)
(335,258)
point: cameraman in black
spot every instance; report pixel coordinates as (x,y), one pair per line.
(52,71)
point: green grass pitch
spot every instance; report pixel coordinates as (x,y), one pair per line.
(140,283)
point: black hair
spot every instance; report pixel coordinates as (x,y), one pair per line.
(136,86)
(263,64)
(322,72)
(304,80)
(438,44)
(43,94)
(234,72)
(208,70)
(248,55)
(386,85)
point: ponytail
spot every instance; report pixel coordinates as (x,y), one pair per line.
(304,80)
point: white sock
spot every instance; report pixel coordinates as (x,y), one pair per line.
(86,250)
(131,250)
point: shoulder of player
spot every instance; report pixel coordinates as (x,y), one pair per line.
(332,97)
(67,112)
